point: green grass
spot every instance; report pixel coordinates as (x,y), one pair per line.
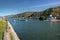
(11,37)
(2,28)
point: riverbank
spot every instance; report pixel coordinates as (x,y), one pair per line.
(14,35)
(51,20)
(2,28)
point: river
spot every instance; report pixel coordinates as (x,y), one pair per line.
(34,29)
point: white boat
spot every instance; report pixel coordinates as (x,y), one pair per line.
(26,20)
(14,20)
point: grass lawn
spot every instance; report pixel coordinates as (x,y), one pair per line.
(11,37)
(2,28)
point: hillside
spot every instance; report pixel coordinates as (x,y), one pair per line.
(54,11)
(27,15)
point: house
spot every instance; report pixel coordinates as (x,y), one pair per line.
(51,18)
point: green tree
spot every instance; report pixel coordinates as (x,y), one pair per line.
(42,17)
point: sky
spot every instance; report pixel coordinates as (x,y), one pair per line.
(11,7)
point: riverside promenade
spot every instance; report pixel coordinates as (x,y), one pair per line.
(6,36)
(8,31)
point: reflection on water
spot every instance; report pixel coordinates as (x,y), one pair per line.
(36,29)
(53,23)
(56,29)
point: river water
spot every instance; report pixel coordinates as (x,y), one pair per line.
(34,29)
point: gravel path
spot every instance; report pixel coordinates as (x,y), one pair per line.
(6,35)
(8,31)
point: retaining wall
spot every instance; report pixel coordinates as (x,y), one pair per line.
(15,37)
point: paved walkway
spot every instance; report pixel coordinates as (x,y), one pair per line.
(7,35)
(8,31)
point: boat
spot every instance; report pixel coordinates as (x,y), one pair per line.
(14,20)
(26,20)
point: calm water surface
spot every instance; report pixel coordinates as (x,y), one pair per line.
(36,30)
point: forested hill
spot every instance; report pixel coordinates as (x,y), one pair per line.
(44,14)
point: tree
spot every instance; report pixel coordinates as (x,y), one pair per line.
(42,17)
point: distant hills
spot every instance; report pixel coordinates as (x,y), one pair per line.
(43,14)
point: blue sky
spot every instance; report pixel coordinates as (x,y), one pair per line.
(10,7)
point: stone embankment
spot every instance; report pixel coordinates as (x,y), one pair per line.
(15,37)
(6,34)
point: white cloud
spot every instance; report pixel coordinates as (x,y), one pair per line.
(43,5)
